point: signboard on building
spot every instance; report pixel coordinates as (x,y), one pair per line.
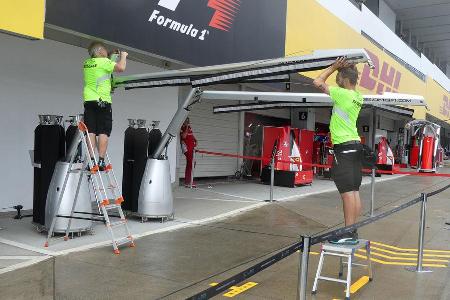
(389,74)
(195,32)
(23,17)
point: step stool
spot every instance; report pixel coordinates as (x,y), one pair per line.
(342,251)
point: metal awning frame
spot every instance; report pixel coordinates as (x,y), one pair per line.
(197,94)
(271,70)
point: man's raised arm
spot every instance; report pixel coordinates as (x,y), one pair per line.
(122,64)
(320,81)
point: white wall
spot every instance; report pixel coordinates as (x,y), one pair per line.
(45,77)
(387,15)
(216,133)
(439,77)
(345,11)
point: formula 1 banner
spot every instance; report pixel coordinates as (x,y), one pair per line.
(197,32)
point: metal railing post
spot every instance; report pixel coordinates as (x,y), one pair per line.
(372,193)
(373,136)
(191,183)
(423,211)
(303,268)
(272,178)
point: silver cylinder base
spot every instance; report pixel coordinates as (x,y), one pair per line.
(83,202)
(155,195)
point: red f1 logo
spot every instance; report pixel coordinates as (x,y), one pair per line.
(225,13)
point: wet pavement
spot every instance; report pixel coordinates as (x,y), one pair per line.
(180,263)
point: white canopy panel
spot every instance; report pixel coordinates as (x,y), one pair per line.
(261,70)
(310,98)
(223,109)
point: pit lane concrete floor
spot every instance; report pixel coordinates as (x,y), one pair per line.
(211,201)
(174,265)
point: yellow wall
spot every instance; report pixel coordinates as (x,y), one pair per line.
(24,17)
(311,26)
(438,100)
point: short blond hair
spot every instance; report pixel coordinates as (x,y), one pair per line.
(95,47)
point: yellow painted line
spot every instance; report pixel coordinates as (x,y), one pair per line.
(404,258)
(236,290)
(358,284)
(311,252)
(213,284)
(399,263)
(408,249)
(409,254)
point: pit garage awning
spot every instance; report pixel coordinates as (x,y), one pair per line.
(262,101)
(270,70)
(268,100)
(263,70)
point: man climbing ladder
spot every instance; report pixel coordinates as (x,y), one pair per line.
(106,191)
(97,96)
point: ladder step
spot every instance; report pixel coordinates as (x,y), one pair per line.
(117,201)
(118,223)
(112,206)
(108,188)
(124,240)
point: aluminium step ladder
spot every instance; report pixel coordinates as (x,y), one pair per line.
(108,197)
(342,251)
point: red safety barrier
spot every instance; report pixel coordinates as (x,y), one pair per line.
(260,159)
(410,173)
(229,155)
(322,166)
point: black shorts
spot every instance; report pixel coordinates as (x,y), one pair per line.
(346,170)
(98,119)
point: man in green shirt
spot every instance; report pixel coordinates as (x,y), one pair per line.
(346,169)
(97,72)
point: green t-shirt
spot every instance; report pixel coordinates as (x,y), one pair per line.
(346,107)
(97,79)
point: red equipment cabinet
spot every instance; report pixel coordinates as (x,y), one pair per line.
(294,145)
(428,145)
(317,151)
(414,152)
(425,144)
(385,159)
(440,156)
(282,136)
(321,153)
(306,142)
